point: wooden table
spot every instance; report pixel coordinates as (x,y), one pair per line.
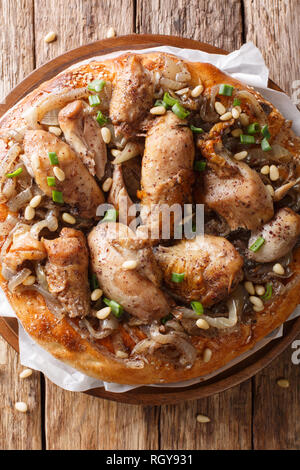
(254,415)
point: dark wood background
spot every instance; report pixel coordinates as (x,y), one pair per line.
(254,415)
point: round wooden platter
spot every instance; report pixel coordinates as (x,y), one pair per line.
(148,395)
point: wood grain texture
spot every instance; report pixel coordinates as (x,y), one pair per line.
(218,23)
(274,25)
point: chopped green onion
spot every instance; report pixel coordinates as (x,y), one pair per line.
(199,166)
(247,139)
(265,145)
(265,132)
(116,308)
(94,100)
(101,119)
(17,172)
(257,244)
(226,90)
(169,100)
(53,158)
(160,103)
(253,128)
(110,216)
(197,307)
(180,111)
(268,293)
(57,196)
(167,318)
(236,102)
(197,130)
(94,282)
(97,85)
(177,277)
(51,181)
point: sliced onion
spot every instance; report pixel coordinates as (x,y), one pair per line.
(17,279)
(15,134)
(41,276)
(183,76)
(259,112)
(51,118)
(20,200)
(107,327)
(7,225)
(7,273)
(169,84)
(9,188)
(52,302)
(50,222)
(7,243)
(131,150)
(8,161)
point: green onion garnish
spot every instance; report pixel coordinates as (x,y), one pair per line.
(180,111)
(169,100)
(257,244)
(265,145)
(53,158)
(94,100)
(167,318)
(197,307)
(226,90)
(177,277)
(57,196)
(247,139)
(116,308)
(265,132)
(253,128)
(101,119)
(199,166)
(160,103)
(197,130)
(97,85)
(110,216)
(268,293)
(94,282)
(17,172)
(236,102)
(51,181)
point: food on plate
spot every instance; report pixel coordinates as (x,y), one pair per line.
(92,162)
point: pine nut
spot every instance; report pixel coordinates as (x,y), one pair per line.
(35,201)
(68,218)
(96,294)
(106,134)
(59,173)
(249,287)
(278,269)
(103,313)
(25,373)
(235,113)
(197,91)
(244,119)
(240,155)
(121,354)
(220,108)
(201,323)
(50,37)
(260,290)
(115,152)
(265,170)
(207,353)
(270,189)
(29,213)
(283,383)
(274,173)
(258,309)
(226,116)
(21,406)
(55,130)
(183,91)
(130,264)
(29,281)
(256,301)
(236,132)
(107,184)
(203,419)
(158,110)
(111,33)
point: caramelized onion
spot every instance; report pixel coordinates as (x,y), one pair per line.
(50,222)
(131,150)
(20,200)
(8,161)
(18,278)
(254,104)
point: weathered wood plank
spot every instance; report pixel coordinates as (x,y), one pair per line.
(273,25)
(17,430)
(218,23)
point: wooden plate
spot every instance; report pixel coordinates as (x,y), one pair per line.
(148,395)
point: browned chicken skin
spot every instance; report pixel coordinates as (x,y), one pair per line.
(67,271)
(79,188)
(24,247)
(83,134)
(137,290)
(212,268)
(132,96)
(119,198)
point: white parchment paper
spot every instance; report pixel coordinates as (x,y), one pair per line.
(245,64)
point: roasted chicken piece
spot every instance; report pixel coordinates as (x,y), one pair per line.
(233,189)
(79,188)
(167,169)
(212,268)
(67,271)
(280,236)
(119,198)
(137,290)
(24,247)
(83,134)
(132,96)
